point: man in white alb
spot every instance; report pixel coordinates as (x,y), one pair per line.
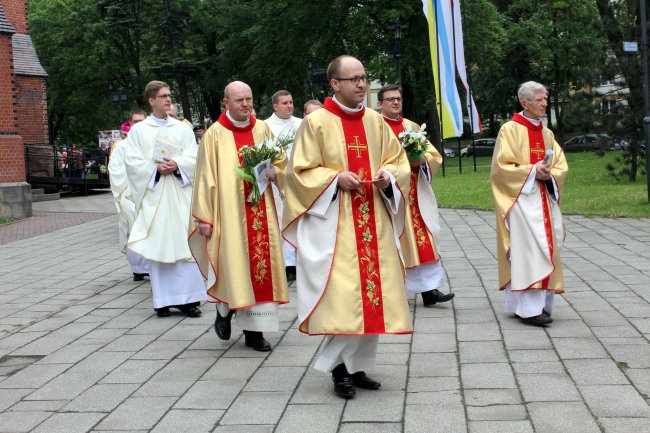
(283,124)
(122,197)
(160,160)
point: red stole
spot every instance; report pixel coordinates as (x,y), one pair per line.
(363,212)
(537,152)
(257,228)
(422,240)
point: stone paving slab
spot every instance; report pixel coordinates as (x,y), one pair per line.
(82,351)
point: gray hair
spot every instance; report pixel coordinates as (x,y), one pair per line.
(528,89)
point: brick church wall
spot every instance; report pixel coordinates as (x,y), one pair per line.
(32,109)
(12,159)
(16,13)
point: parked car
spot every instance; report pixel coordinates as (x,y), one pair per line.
(482,147)
(449,153)
(588,143)
(624,144)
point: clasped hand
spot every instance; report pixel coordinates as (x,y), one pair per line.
(167,167)
(349,181)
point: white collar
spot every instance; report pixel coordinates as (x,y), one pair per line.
(395,119)
(348,109)
(279,119)
(158,121)
(535,122)
(238,123)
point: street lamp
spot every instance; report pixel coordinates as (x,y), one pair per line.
(317,78)
(395,50)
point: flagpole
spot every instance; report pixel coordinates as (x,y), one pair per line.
(438,90)
(470,107)
(453,32)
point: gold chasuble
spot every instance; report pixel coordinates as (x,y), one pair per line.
(529,222)
(350,278)
(421,223)
(242,261)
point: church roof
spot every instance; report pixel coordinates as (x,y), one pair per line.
(5,25)
(25,59)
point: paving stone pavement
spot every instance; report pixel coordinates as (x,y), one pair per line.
(82,351)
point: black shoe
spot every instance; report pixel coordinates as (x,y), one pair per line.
(222,325)
(190,310)
(139,277)
(257,341)
(343,384)
(544,313)
(434,296)
(291,274)
(162,312)
(539,320)
(362,381)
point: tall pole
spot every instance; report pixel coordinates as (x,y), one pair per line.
(453,30)
(646,90)
(398,54)
(438,90)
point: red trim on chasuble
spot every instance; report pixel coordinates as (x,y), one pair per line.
(363,212)
(423,243)
(259,248)
(422,240)
(537,152)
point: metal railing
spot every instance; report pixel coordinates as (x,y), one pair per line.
(77,168)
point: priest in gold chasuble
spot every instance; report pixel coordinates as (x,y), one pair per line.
(528,172)
(343,200)
(236,243)
(419,241)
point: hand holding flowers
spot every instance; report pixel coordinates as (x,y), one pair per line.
(415,143)
(252,158)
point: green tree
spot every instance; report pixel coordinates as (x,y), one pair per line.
(621,22)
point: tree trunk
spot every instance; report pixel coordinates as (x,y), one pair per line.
(172,32)
(214,106)
(628,70)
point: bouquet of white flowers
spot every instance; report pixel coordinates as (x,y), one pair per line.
(252,156)
(414,142)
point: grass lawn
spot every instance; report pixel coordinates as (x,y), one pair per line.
(589,189)
(4,221)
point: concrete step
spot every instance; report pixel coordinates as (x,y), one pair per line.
(45,197)
(38,191)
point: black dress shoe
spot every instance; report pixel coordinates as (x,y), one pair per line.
(139,277)
(163,312)
(257,341)
(222,325)
(343,384)
(432,297)
(291,273)
(539,320)
(191,310)
(362,381)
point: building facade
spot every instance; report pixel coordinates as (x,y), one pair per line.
(23,107)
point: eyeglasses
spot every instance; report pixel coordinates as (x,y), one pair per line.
(165,96)
(354,80)
(393,99)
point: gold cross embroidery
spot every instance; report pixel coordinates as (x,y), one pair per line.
(537,152)
(358,146)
